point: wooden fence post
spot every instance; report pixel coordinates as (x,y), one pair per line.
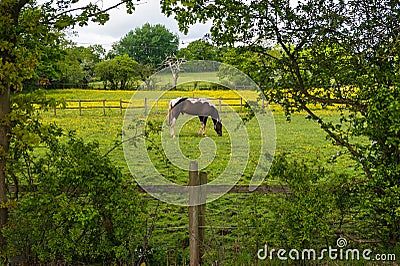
(241,103)
(197,213)
(80,107)
(145,106)
(55,110)
(120,106)
(104,107)
(193,214)
(202,214)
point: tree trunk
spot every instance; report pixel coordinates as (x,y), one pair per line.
(9,12)
(4,146)
(175,75)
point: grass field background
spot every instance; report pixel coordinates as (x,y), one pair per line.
(300,138)
(229,237)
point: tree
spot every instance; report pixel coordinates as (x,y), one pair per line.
(98,51)
(200,50)
(248,62)
(49,53)
(62,63)
(148,44)
(331,53)
(118,71)
(23,26)
(77,66)
(174,64)
(145,73)
(65,64)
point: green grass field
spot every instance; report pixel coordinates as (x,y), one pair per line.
(300,138)
(228,235)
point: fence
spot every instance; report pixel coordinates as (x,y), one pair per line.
(197,214)
(123,104)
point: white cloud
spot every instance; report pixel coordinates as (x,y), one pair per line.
(121,23)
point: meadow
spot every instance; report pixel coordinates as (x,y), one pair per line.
(228,235)
(298,138)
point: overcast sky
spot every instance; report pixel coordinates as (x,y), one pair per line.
(121,23)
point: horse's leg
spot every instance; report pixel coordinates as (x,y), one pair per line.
(204,125)
(203,120)
(171,126)
(173,115)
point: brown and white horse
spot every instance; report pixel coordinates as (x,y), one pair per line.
(201,107)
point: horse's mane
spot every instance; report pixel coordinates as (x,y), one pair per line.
(177,101)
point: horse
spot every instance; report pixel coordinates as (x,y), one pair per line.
(201,107)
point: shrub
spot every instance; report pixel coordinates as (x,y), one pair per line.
(81,211)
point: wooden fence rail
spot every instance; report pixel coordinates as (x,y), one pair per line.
(122,104)
(264,189)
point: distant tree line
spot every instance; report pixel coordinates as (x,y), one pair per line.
(131,61)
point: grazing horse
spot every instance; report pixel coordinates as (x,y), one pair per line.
(201,107)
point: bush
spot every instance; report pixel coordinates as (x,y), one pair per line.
(305,217)
(82,210)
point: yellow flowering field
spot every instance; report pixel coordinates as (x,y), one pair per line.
(300,138)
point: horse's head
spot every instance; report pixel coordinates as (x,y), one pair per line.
(218,127)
